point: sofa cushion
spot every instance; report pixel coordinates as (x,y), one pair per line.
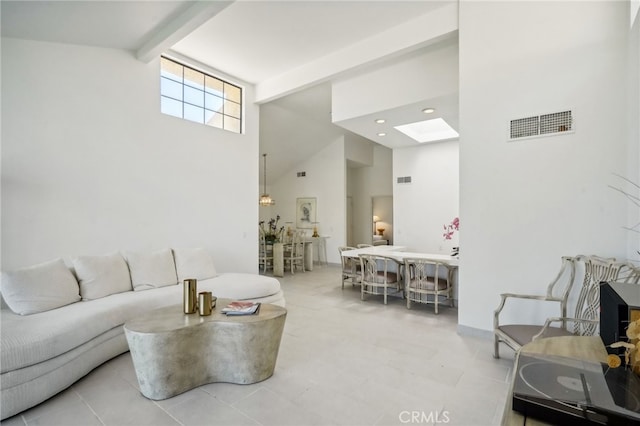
(151,270)
(40,288)
(194,263)
(100,276)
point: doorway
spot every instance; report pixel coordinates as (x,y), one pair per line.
(382,219)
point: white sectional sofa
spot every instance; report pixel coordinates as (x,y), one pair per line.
(59,321)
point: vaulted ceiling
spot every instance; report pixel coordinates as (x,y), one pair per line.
(290,50)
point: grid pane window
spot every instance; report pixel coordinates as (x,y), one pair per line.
(214,85)
(171,89)
(193,113)
(195,96)
(232,124)
(214,119)
(232,109)
(213,102)
(171,70)
(171,107)
(232,93)
(194,78)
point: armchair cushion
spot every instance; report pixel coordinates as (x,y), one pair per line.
(429,284)
(524,333)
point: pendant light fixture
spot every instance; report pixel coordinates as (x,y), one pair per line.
(265,199)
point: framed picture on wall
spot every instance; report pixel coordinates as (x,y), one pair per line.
(305,212)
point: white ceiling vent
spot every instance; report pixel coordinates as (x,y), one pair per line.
(541,125)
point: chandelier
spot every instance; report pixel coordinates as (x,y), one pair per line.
(265,199)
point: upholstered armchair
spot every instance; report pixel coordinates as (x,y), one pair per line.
(585,316)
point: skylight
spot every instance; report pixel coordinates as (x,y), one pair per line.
(428,130)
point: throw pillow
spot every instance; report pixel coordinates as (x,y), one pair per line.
(152,270)
(194,263)
(100,276)
(40,288)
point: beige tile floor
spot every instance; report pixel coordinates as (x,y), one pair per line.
(341,362)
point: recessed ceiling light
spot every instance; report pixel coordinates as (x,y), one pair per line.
(428,130)
(382,134)
(380,120)
(429,110)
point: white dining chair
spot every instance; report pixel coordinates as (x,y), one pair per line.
(428,281)
(294,253)
(265,254)
(377,275)
(350,267)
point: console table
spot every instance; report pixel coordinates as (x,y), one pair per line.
(320,244)
(587,348)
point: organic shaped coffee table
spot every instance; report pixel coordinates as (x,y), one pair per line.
(174,352)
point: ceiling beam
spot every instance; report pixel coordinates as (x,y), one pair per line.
(422,31)
(179,27)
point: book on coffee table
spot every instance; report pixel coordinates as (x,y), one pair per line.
(241,308)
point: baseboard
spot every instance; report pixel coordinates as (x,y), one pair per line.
(464,330)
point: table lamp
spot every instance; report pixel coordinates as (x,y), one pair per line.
(376,219)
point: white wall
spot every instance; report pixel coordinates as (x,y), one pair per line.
(422,207)
(426,74)
(524,204)
(91,166)
(358,150)
(325,181)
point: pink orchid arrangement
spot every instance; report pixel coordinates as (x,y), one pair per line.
(451,228)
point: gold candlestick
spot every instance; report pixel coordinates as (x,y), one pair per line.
(205,303)
(190,300)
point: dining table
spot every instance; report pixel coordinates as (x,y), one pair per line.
(399,253)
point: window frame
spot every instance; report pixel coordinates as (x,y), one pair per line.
(229,115)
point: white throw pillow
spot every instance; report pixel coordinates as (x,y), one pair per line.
(100,276)
(40,288)
(194,263)
(152,270)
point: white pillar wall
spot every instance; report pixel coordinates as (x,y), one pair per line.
(525,204)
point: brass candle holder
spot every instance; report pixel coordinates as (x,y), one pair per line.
(206,302)
(190,299)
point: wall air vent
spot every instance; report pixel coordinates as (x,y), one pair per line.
(404,179)
(541,125)
(302,174)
